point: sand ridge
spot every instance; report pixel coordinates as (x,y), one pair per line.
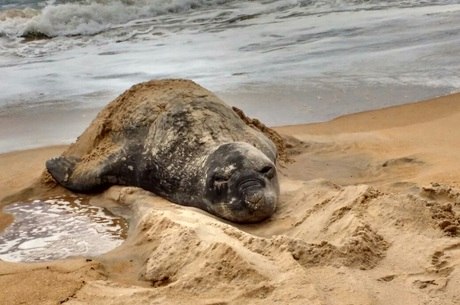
(369,214)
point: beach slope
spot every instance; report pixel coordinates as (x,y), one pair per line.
(369,214)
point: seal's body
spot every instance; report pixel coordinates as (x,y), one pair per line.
(178,140)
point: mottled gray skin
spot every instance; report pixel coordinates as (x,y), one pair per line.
(177,140)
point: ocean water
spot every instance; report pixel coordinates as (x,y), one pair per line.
(285,62)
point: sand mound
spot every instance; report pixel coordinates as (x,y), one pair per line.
(354,234)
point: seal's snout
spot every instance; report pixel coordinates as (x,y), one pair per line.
(253,199)
(251,190)
(255,189)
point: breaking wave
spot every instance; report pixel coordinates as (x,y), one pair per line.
(89,17)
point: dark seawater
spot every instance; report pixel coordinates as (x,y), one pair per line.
(286,62)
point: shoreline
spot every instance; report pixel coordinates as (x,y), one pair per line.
(34,126)
(371,197)
(371,120)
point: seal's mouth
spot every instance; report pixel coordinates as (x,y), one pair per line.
(250,184)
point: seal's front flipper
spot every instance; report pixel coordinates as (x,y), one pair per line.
(92,172)
(61,168)
(67,171)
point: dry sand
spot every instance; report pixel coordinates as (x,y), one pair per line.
(369,214)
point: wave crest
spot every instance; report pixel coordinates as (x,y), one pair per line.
(90,17)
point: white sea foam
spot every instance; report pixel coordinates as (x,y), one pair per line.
(90,17)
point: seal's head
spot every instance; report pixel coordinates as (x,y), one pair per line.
(241,183)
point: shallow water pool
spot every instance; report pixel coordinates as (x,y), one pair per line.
(57,228)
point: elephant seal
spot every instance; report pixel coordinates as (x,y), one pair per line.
(179,141)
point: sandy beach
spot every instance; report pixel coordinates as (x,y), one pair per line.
(369,214)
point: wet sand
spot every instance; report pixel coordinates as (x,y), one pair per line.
(19,170)
(369,214)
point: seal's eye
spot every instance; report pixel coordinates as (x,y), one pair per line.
(220,182)
(268,171)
